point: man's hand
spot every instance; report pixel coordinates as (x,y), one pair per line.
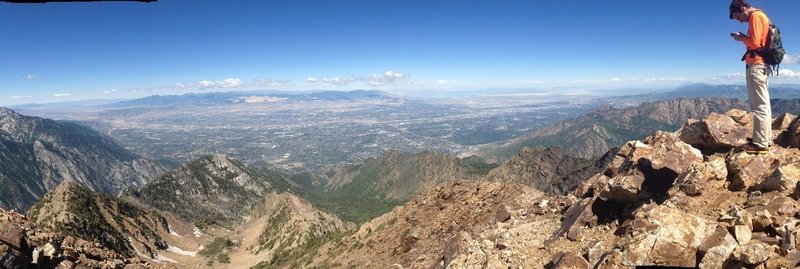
(738,36)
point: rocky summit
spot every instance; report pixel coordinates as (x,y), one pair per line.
(681,199)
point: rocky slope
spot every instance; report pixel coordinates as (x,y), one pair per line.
(682,199)
(24,244)
(261,228)
(211,190)
(548,169)
(116,224)
(38,154)
(596,132)
(286,231)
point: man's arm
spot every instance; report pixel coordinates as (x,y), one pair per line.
(759,25)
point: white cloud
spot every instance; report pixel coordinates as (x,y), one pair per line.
(270,82)
(312,80)
(338,81)
(225,83)
(30,77)
(61,95)
(388,78)
(110,91)
(443,82)
(21,97)
(790,59)
(786,74)
(206,84)
(230,83)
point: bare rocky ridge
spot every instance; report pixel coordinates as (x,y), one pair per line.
(211,190)
(24,244)
(596,132)
(38,154)
(662,201)
(548,169)
(115,223)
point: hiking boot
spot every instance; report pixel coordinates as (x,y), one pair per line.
(753,149)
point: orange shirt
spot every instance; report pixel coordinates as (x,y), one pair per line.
(756,35)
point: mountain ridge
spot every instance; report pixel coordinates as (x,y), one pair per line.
(599,130)
(210,190)
(41,153)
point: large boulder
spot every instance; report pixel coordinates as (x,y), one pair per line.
(717,249)
(12,235)
(646,170)
(693,181)
(567,261)
(718,131)
(660,235)
(576,217)
(747,172)
(784,178)
(792,138)
(781,129)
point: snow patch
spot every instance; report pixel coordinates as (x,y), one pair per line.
(171,232)
(157,259)
(162,259)
(197,232)
(179,251)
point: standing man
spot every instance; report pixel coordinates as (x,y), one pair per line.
(756,73)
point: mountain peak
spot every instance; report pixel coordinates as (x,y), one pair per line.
(213,189)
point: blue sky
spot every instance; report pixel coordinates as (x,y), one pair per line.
(59,52)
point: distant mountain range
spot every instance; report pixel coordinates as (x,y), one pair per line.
(38,154)
(214,98)
(699,90)
(223,98)
(594,133)
(601,129)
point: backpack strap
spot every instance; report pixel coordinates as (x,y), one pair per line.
(752,53)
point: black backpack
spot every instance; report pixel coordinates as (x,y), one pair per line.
(772,51)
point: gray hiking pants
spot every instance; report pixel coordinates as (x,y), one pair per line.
(758,93)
